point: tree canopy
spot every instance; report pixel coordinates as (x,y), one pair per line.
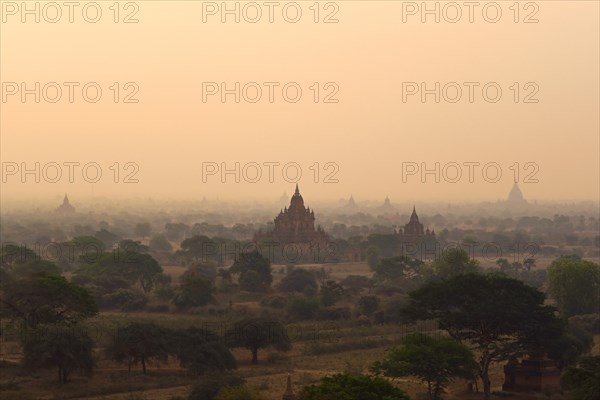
(253,261)
(46,298)
(66,347)
(258,333)
(434,361)
(345,386)
(575,285)
(499,316)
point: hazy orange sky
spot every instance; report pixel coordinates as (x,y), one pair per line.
(367,56)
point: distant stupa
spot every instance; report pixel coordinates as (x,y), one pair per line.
(65,208)
(386,207)
(351,203)
(515,197)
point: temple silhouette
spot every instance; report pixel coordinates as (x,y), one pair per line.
(65,208)
(294,225)
(515,197)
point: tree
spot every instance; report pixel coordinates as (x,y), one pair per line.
(331,293)
(201,351)
(251,282)
(138,343)
(194,291)
(575,285)
(160,243)
(434,361)
(108,238)
(372,253)
(258,333)
(367,305)
(583,380)
(132,246)
(454,262)
(68,348)
(47,298)
(198,248)
(139,268)
(499,316)
(299,280)
(36,267)
(396,268)
(352,387)
(302,308)
(176,231)
(253,261)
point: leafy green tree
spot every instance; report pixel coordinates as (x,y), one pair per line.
(454,262)
(201,351)
(499,316)
(198,248)
(434,361)
(138,268)
(68,348)
(46,298)
(575,285)
(258,333)
(331,293)
(193,292)
(352,387)
(583,380)
(299,280)
(253,261)
(138,342)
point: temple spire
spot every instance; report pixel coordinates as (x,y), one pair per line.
(297,192)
